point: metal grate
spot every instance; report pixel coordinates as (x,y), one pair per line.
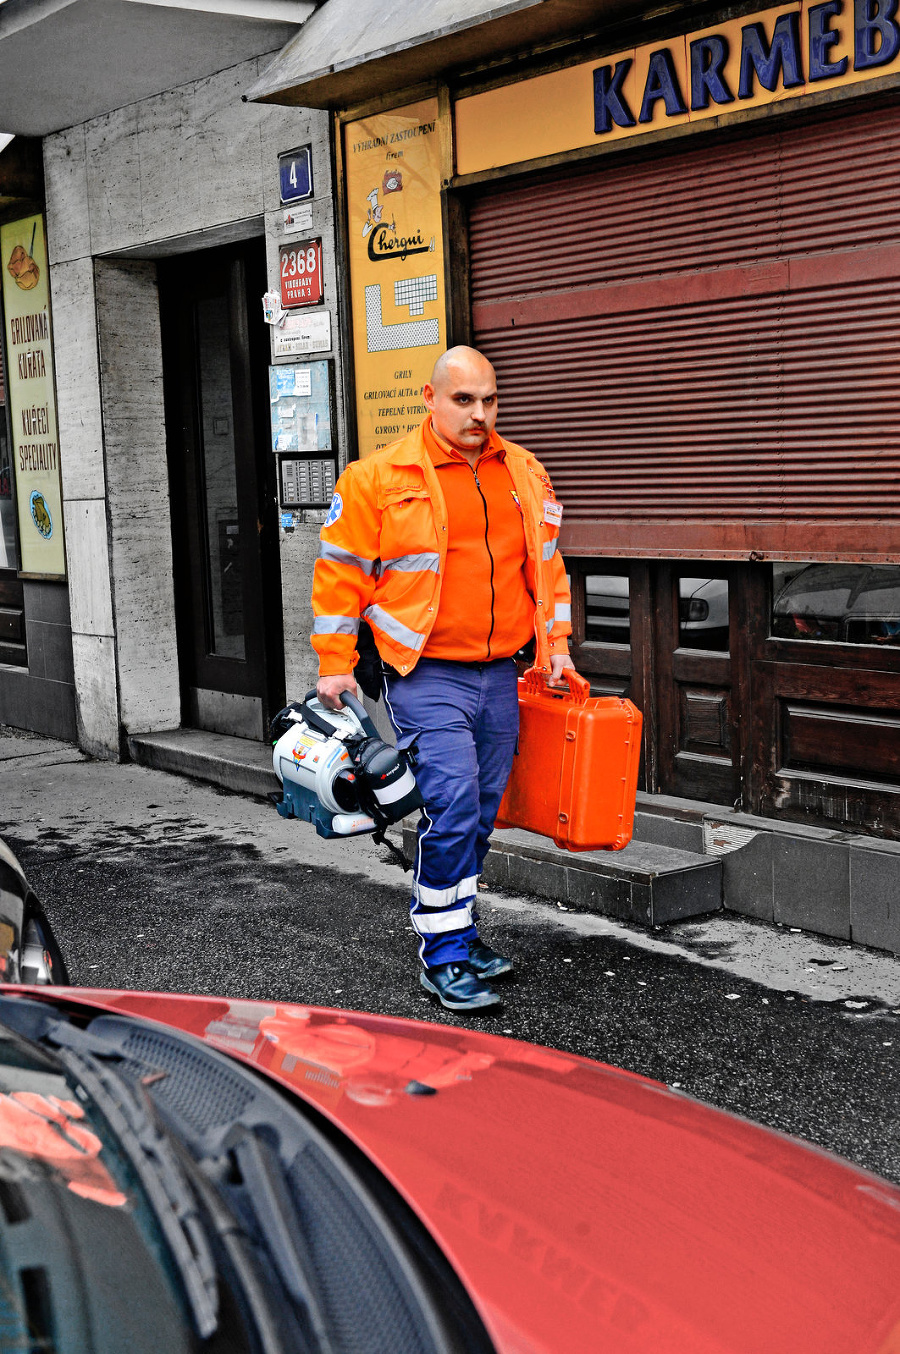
(701,348)
(368,1302)
(198,1090)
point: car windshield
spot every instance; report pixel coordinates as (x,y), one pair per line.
(83,1264)
(157,1195)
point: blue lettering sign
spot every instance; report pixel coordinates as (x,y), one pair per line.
(783,57)
(609,101)
(708,57)
(877,38)
(795,59)
(661,83)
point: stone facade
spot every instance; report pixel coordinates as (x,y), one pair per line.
(191,168)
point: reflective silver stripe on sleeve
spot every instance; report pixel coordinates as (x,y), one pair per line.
(339,556)
(563,612)
(550,624)
(391,626)
(413,564)
(549,548)
(336,625)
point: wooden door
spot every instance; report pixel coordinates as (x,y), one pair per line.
(664,635)
(698,733)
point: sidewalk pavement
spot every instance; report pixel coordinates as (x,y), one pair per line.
(74,795)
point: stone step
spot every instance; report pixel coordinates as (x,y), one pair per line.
(238,764)
(647,882)
(840,884)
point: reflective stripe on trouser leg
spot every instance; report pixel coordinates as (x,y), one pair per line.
(465,722)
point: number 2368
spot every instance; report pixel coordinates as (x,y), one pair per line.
(297,263)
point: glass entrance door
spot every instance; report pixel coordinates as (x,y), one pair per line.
(228,596)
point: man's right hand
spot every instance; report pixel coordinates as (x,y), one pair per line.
(328,689)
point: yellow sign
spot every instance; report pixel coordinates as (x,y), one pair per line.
(31,397)
(393,175)
(778,54)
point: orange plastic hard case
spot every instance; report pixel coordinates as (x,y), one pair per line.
(575,775)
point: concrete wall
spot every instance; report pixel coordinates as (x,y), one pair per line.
(137,493)
(190,168)
(300,545)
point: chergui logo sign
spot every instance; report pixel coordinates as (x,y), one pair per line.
(385,243)
(836,41)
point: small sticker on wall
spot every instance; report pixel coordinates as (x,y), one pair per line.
(40,514)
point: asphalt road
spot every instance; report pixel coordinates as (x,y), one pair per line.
(155,882)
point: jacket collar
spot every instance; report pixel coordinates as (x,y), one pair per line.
(412,449)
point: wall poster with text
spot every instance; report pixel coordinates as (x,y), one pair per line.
(31,397)
(393,178)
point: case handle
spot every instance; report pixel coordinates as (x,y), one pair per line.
(579,687)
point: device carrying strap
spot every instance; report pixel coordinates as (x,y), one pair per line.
(314,720)
(398,856)
(578,692)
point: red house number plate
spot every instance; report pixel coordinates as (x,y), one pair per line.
(301,274)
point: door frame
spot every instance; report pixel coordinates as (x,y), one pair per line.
(184,280)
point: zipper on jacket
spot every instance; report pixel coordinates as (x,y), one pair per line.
(490,557)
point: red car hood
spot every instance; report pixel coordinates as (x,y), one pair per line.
(584,1208)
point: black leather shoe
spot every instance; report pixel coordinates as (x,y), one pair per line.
(486,962)
(458,987)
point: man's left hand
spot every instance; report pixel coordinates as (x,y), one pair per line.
(558,664)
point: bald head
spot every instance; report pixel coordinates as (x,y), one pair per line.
(462,399)
(461,363)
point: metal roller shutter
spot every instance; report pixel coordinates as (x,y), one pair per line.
(704,348)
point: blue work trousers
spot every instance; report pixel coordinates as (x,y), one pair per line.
(464,719)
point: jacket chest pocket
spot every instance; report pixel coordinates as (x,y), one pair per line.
(407,523)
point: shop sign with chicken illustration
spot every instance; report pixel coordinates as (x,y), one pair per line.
(31,397)
(393,169)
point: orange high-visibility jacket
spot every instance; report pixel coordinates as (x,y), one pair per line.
(382,553)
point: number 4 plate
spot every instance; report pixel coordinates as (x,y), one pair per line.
(295,174)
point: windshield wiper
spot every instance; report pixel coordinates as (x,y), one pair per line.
(165,1168)
(150,1152)
(234,1242)
(276,1214)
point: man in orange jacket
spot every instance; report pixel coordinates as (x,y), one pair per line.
(446,544)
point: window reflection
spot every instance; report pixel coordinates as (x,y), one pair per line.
(607,609)
(703,614)
(224,578)
(844,603)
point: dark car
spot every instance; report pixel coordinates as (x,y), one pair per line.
(196,1174)
(29,952)
(844,603)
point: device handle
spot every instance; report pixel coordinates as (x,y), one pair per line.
(356,707)
(353,705)
(579,687)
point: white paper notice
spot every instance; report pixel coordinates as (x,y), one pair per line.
(309,332)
